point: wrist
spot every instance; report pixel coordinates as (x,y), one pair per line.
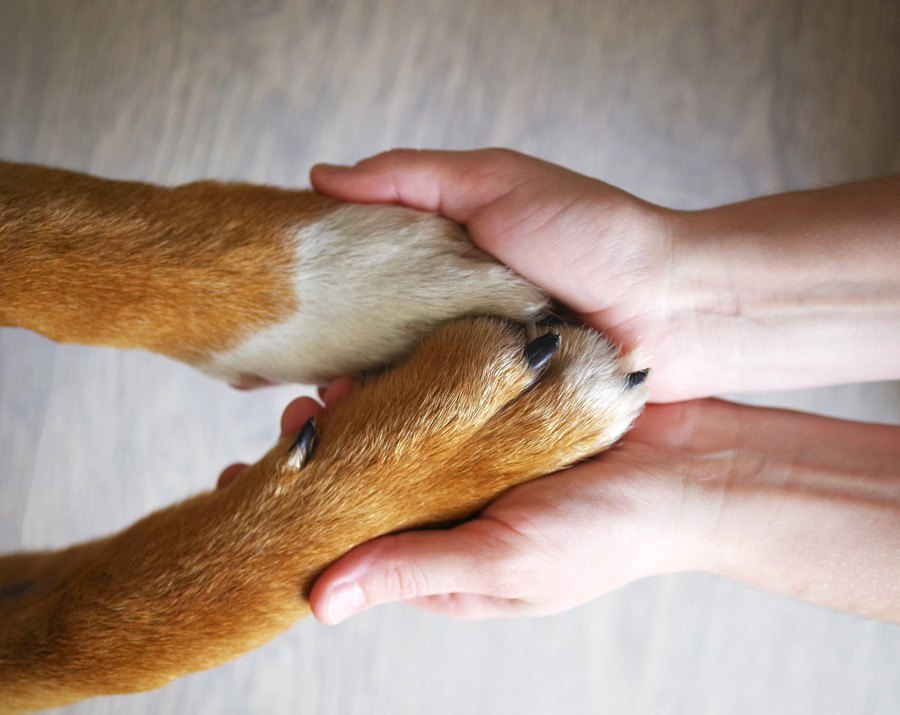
(788,291)
(714,291)
(795,504)
(694,337)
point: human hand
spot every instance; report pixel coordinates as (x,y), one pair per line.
(543,547)
(782,292)
(603,253)
(796,504)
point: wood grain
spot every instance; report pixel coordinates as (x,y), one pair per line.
(685,103)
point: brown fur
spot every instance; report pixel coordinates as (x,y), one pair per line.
(196,584)
(183,271)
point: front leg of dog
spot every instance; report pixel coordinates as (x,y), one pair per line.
(197,584)
(184,589)
(251,284)
(194,585)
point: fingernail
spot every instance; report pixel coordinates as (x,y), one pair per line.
(346,599)
(539,351)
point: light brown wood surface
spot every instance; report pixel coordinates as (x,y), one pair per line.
(685,103)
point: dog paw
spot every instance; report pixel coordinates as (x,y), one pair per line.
(479,407)
(482,405)
(370,283)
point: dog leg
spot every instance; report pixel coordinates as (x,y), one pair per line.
(251,284)
(475,410)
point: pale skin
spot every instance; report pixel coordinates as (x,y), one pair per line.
(783,292)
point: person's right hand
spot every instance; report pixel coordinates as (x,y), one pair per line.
(782,292)
(600,251)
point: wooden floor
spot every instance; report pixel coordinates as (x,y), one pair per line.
(686,103)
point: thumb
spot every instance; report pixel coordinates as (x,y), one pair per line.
(405,566)
(454,183)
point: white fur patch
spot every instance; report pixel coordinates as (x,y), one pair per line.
(597,376)
(371,282)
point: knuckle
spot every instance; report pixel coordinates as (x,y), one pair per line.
(396,156)
(500,155)
(402,582)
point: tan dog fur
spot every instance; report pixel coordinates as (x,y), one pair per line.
(190,272)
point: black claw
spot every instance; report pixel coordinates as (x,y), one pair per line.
(305,443)
(551,320)
(539,351)
(636,378)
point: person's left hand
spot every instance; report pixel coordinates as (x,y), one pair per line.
(550,544)
(542,547)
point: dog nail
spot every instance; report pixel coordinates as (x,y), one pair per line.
(550,321)
(539,351)
(636,378)
(304,444)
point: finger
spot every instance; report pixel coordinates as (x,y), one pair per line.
(297,413)
(335,392)
(407,566)
(229,474)
(454,183)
